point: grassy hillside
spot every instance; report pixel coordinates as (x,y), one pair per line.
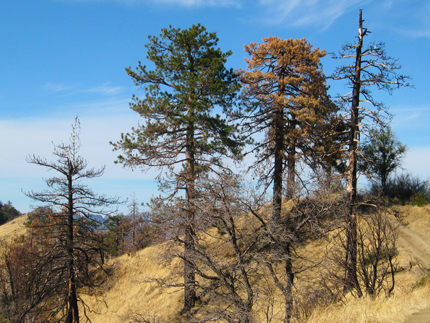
(14,228)
(133,292)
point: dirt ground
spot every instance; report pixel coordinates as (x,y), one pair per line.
(417,246)
(414,245)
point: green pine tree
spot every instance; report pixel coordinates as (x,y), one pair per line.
(189,82)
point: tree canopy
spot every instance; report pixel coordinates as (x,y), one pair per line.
(284,96)
(381,155)
(7,212)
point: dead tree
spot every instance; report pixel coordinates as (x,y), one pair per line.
(370,67)
(72,253)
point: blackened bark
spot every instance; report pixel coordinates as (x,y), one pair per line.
(351,280)
(72,300)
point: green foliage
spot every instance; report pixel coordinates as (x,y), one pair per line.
(181,135)
(382,154)
(188,82)
(8,212)
(404,188)
(116,232)
(420,199)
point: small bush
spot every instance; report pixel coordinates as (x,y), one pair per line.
(420,199)
(405,188)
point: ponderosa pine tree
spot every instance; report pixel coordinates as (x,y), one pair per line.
(71,254)
(370,67)
(284,96)
(180,134)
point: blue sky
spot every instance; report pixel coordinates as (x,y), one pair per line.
(62,58)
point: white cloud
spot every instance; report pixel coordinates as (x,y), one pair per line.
(409,18)
(411,117)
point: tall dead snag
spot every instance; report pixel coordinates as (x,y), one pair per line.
(180,134)
(370,67)
(70,255)
(284,97)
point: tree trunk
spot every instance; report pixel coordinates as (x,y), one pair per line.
(72,299)
(291,159)
(288,293)
(189,272)
(291,176)
(278,167)
(351,280)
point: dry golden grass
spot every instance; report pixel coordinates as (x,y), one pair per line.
(14,228)
(412,291)
(132,288)
(395,309)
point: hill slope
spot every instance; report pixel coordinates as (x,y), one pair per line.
(133,289)
(14,228)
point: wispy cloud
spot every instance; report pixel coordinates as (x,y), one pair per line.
(301,13)
(57,87)
(105,89)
